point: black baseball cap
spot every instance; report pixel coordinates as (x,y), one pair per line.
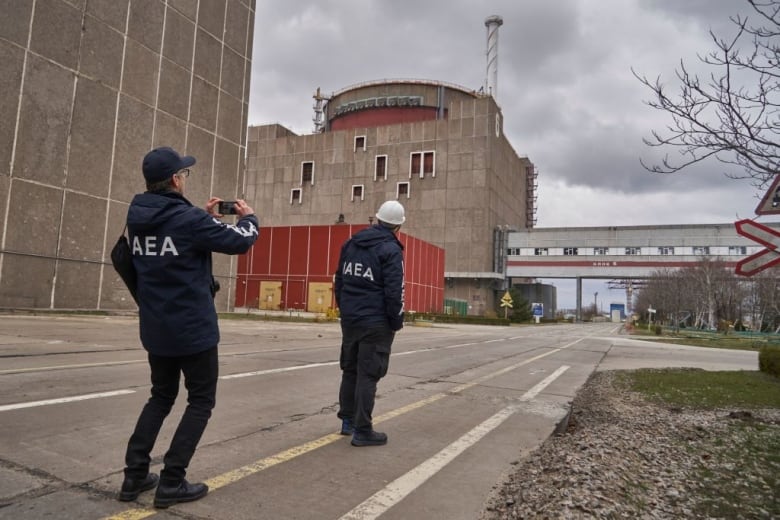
(161,163)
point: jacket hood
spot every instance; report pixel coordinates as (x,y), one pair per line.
(371,236)
(149,210)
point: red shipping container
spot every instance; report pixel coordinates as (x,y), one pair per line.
(292,267)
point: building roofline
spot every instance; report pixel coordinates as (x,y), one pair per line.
(388,81)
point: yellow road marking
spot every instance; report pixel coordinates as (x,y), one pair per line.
(133,514)
(284,456)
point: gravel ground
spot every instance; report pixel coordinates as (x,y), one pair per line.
(624,457)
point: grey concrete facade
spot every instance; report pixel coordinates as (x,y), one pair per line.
(478,183)
(89,86)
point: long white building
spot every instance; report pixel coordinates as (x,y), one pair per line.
(626,252)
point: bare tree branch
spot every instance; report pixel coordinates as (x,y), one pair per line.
(733,116)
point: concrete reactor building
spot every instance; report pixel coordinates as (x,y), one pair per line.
(88,88)
(438,148)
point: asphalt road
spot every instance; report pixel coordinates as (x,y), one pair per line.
(460,404)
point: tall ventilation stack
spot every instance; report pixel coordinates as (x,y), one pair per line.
(491,78)
(318,111)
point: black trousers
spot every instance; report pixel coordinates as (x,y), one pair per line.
(200,379)
(365,356)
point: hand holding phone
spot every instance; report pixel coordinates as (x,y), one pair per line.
(227,207)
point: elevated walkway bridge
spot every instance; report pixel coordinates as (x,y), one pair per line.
(625,253)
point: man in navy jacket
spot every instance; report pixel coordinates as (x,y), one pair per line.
(369,288)
(172,241)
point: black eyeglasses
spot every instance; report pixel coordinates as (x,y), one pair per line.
(184,173)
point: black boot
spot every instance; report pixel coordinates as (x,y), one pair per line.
(131,488)
(370,438)
(182,492)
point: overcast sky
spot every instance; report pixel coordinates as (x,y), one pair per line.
(565,87)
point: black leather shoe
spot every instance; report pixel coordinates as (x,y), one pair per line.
(131,488)
(371,438)
(183,492)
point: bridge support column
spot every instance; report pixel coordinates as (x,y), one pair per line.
(579,299)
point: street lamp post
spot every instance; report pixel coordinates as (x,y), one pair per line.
(595,304)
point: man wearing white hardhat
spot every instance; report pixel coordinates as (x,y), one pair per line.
(369,287)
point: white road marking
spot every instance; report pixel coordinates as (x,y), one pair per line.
(278,370)
(62,367)
(17,406)
(401,487)
(61,400)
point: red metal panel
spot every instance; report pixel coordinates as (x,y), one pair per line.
(432,281)
(280,251)
(419,303)
(294,293)
(382,116)
(244,261)
(261,252)
(319,251)
(410,268)
(247,292)
(299,250)
(418,261)
(242,271)
(429,263)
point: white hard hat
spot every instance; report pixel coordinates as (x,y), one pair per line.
(391,212)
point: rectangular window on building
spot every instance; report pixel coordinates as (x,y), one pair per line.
(422,164)
(380,167)
(737,250)
(633,250)
(402,190)
(295,195)
(360,143)
(666,250)
(357,192)
(701,250)
(429,164)
(600,250)
(513,251)
(307,172)
(570,251)
(415,164)
(541,251)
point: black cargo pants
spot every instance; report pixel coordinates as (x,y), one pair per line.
(365,356)
(200,371)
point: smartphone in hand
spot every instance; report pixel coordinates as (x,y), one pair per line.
(227,207)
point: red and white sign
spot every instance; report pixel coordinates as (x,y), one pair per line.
(765,258)
(764,235)
(770,204)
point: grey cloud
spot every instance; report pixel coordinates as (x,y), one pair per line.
(566,90)
(708,14)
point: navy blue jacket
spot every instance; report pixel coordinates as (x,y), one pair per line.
(172,242)
(369,283)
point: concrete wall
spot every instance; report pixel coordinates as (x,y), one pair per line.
(89,86)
